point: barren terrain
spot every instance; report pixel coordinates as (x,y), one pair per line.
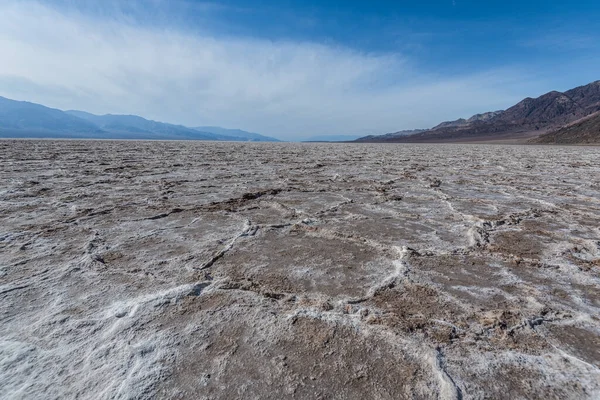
(324,271)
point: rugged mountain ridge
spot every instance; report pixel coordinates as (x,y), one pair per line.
(463,122)
(529,118)
(390,136)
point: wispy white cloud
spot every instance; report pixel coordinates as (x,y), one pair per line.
(288,89)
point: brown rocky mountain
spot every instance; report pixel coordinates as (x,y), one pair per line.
(463,122)
(392,135)
(583,131)
(529,118)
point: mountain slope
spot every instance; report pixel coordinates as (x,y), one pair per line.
(236,133)
(19,117)
(463,122)
(588,96)
(528,118)
(551,109)
(583,131)
(390,136)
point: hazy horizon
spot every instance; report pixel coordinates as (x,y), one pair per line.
(294,70)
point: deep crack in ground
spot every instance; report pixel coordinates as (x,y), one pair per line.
(228,270)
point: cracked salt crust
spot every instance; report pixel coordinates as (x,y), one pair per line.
(230,270)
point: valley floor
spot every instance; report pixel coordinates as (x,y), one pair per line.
(270,270)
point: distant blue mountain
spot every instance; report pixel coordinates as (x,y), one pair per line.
(21,119)
(134,127)
(22,116)
(237,133)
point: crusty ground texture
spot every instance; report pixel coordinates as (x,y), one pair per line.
(138,270)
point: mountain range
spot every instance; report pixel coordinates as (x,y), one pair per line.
(21,119)
(556,117)
(390,136)
(571,117)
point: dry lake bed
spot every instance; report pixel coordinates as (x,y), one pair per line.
(133,270)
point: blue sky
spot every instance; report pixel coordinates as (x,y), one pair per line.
(294,69)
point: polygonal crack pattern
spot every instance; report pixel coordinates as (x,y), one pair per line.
(233,271)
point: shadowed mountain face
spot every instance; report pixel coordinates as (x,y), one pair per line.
(584,131)
(529,118)
(19,119)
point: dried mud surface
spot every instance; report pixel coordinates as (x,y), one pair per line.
(324,271)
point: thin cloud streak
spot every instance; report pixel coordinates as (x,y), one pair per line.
(286,89)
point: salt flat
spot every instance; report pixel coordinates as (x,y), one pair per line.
(229,270)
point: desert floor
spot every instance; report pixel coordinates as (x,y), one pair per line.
(324,271)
